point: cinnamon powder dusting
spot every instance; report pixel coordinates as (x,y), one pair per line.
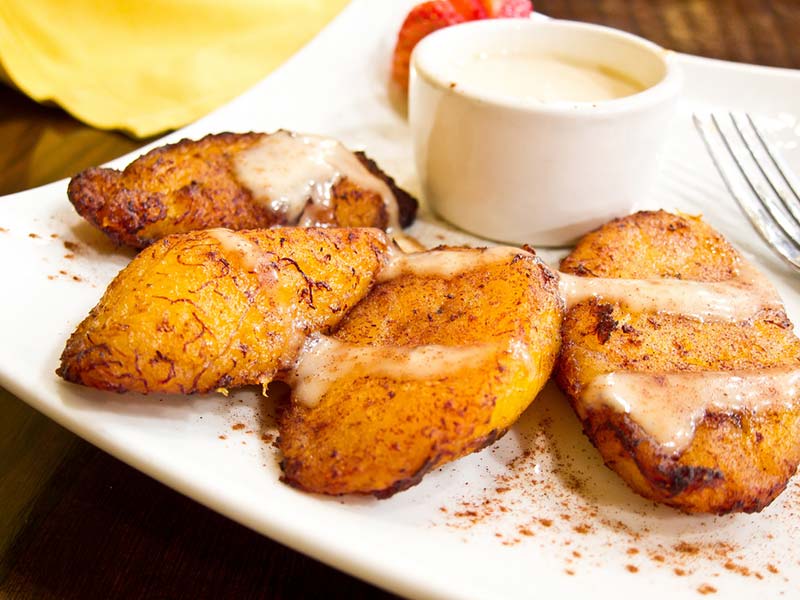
(246,415)
(707,589)
(548,493)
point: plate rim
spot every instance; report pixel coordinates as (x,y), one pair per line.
(332,554)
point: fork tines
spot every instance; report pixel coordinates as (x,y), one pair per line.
(757,178)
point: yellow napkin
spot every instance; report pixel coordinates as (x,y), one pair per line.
(145,66)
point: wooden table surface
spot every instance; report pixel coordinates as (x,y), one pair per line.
(77,523)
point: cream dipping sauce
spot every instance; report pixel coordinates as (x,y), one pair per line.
(669,406)
(294,175)
(542,78)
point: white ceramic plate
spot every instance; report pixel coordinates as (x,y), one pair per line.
(533,516)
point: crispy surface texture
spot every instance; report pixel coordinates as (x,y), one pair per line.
(378,433)
(206,310)
(737,460)
(191,185)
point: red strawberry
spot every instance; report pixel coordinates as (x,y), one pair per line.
(423,19)
(471,10)
(500,9)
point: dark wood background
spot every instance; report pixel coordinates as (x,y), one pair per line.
(76,523)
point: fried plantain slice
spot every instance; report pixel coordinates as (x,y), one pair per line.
(438,361)
(201,184)
(712,422)
(220,309)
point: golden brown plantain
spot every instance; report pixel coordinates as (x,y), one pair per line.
(219,309)
(192,185)
(737,460)
(425,369)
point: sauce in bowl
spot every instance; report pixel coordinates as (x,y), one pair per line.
(535,132)
(542,78)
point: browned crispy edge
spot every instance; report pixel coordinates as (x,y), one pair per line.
(406,203)
(290,467)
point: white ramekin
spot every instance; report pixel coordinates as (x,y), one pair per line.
(514,171)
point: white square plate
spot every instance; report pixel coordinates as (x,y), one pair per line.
(535,515)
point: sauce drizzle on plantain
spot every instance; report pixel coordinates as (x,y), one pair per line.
(736,299)
(324,360)
(294,175)
(669,406)
(446,263)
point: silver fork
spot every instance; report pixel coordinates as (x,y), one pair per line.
(758,179)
